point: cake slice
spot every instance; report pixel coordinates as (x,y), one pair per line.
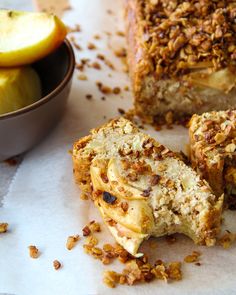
(142,189)
(213,151)
(181,57)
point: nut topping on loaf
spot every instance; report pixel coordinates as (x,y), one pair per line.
(142,189)
(181,56)
(179,36)
(213,151)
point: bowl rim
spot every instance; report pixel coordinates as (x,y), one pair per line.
(54,92)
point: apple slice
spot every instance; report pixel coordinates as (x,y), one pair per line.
(19,87)
(27,36)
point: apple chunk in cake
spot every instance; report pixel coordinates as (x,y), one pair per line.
(213,151)
(142,189)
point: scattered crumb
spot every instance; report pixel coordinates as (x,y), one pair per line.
(116,90)
(138,270)
(83,196)
(71,241)
(81,65)
(109,64)
(91,46)
(77,46)
(91,240)
(75,29)
(103,98)
(120,52)
(86,231)
(109,11)
(89,96)
(100,56)
(194,257)
(227,240)
(94,226)
(82,77)
(120,33)
(126,88)
(33,251)
(121,111)
(3,227)
(96,65)
(56,264)
(103,88)
(97,37)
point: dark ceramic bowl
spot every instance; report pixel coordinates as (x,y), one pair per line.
(22,129)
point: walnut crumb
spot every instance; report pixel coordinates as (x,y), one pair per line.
(86,231)
(3,227)
(194,257)
(88,96)
(116,90)
(56,264)
(96,65)
(33,251)
(227,240)
(103,88)
(91,46)
(121,111)
(71,241)
(82,77)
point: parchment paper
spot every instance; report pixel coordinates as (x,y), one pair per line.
(43,206)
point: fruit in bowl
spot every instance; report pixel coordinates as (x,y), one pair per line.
(26,37)
(19,87)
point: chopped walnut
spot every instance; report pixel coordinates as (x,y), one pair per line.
(56,264)
(194,257)
(121,111)
(82,77)
(96,65)
(33,251)
(116,90)
(94,226)
(103,88)
(227,240)
(174,271)
(91,240)
(86,231)
(71,241)
(111,278)
(91,46)
(3,227)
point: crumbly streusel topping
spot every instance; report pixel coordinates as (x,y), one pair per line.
(215,132)
(180,35)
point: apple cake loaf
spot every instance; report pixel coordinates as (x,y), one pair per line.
(213,151)
(181,57)
(143,189)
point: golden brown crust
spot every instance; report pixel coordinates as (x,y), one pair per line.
(212,148)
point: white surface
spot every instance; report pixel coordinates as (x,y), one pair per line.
(43,206)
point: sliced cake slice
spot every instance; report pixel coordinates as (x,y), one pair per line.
(143,189)
(213,151)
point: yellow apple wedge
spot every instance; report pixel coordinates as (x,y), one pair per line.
(28,36)
(19,87)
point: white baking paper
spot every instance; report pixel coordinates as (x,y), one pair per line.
(43,206)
